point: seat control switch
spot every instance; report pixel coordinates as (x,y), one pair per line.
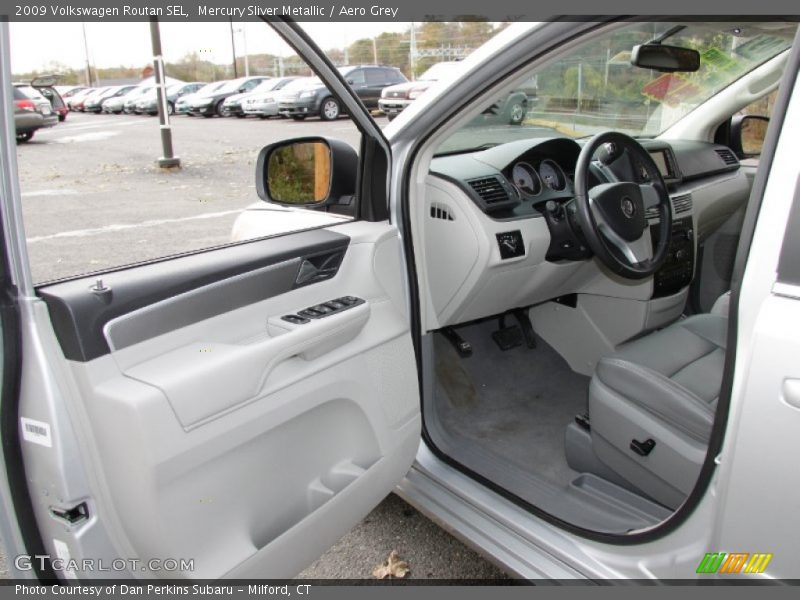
(643,448)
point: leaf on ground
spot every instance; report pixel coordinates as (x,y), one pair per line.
(393,566)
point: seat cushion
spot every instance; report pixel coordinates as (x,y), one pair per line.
(675,373)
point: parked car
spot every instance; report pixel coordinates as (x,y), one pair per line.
(183,104)
(368,81)
(95,103)
(32,111)
(45,85)
(67,91)
(510,110)
(116,104)
(234,105)
(79,100)
(396,97)
(263,102)
(148,103)
(75,101)
(517,330)
(211,102)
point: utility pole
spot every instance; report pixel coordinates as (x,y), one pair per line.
(168,160)
(374,51)
(86,52)
(233,51)
(246,58)
(412,53)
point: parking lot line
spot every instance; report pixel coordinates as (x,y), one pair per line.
(124,226)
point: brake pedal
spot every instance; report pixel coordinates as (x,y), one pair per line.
(527,327)
(462,346)
(507,337)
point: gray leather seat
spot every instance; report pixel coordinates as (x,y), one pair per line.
(661,391)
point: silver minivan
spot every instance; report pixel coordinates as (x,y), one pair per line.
(571,341)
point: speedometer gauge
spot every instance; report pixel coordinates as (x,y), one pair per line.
(525,179)
(552,175)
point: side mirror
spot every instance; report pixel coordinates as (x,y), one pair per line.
(313,171)
(668,59)
(747,135)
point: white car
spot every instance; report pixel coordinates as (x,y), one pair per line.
(572,342)
(263,101)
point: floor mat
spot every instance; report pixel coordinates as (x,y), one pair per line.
(514,404)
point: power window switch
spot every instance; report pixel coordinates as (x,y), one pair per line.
(295,319)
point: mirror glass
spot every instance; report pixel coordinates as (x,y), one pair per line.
(754,130)
(669,59)
(299,173)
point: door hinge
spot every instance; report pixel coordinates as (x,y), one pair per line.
(73,515)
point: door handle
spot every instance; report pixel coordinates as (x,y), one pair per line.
(791,392)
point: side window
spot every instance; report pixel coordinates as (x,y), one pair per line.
(394,76)
(375,77)
(97,193)
(356,77)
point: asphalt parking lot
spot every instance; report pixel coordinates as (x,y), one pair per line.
(93,198)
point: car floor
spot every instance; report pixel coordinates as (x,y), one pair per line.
(504,414)
(515,404)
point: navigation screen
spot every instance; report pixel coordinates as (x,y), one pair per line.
(660,158)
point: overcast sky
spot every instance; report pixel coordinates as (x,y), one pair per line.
(34,45)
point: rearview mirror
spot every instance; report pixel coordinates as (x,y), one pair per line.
(307,172)
(668,59)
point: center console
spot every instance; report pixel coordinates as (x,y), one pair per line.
(678,268)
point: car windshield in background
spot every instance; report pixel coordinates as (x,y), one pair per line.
(211,87)
(299,84)
(595,87)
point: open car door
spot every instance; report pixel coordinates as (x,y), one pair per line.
(167,415)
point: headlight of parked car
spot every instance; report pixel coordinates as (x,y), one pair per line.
(413,94)
(309,94)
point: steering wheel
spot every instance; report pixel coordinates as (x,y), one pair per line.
(612,215)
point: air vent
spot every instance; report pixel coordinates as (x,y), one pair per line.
(490,190)
(680,204)
(439,211)
(727,156)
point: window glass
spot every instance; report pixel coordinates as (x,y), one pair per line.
(94,195)
(375,76)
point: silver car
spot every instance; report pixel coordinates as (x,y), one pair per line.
(263,101)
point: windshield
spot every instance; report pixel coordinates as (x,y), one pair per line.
(208,88)
(267,86)
(595,88)
(232,86)
(299,84)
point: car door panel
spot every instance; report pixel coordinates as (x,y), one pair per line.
(221,433)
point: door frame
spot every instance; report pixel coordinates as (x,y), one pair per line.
(410,143)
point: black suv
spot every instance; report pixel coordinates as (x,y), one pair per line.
(367,81)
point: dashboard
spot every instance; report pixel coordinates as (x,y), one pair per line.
(498,231)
